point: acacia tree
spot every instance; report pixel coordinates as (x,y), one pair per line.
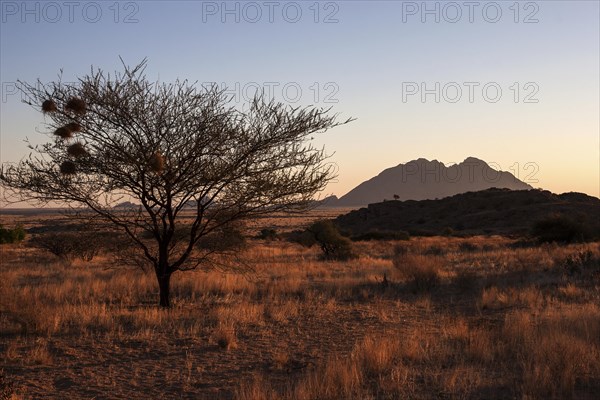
(172,148)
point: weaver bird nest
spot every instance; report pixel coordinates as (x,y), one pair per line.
(157,162)
(73,127)
(49,106)
(68,168)
(76,105)
(76,150)
(64,132)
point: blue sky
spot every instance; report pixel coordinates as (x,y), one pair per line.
(362,58)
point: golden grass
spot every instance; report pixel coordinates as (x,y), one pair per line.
(495,322)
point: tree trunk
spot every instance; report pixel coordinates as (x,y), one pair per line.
(164,283)
(163,274)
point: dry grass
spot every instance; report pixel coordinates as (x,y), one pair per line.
(456,320)
(225,336)
(422,271)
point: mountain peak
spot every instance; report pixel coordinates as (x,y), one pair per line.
(473,160)
(423,160)
(422,179)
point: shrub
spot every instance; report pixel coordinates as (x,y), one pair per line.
(268,234)
(72,245)
(558,228)
(14,235)
(332,243)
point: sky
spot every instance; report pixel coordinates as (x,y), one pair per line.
(513,83)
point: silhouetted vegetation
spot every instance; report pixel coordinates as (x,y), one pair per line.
(559,228)
(73,245)
(268,234)
(490,212)
(13,235)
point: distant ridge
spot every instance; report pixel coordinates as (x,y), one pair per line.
(422,179)
(126,205)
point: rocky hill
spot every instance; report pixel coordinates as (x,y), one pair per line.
(492,211)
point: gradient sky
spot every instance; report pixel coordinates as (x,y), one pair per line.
(359,57)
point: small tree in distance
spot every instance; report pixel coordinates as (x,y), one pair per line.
(171,147)
(333,245)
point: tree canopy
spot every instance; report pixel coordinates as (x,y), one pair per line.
(172,149)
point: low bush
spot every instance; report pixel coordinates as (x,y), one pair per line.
(14,235)
(75,245)
(558,228)
(268,234)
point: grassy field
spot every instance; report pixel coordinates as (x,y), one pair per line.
(455,318)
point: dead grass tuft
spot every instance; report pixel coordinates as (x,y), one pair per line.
(423,272)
